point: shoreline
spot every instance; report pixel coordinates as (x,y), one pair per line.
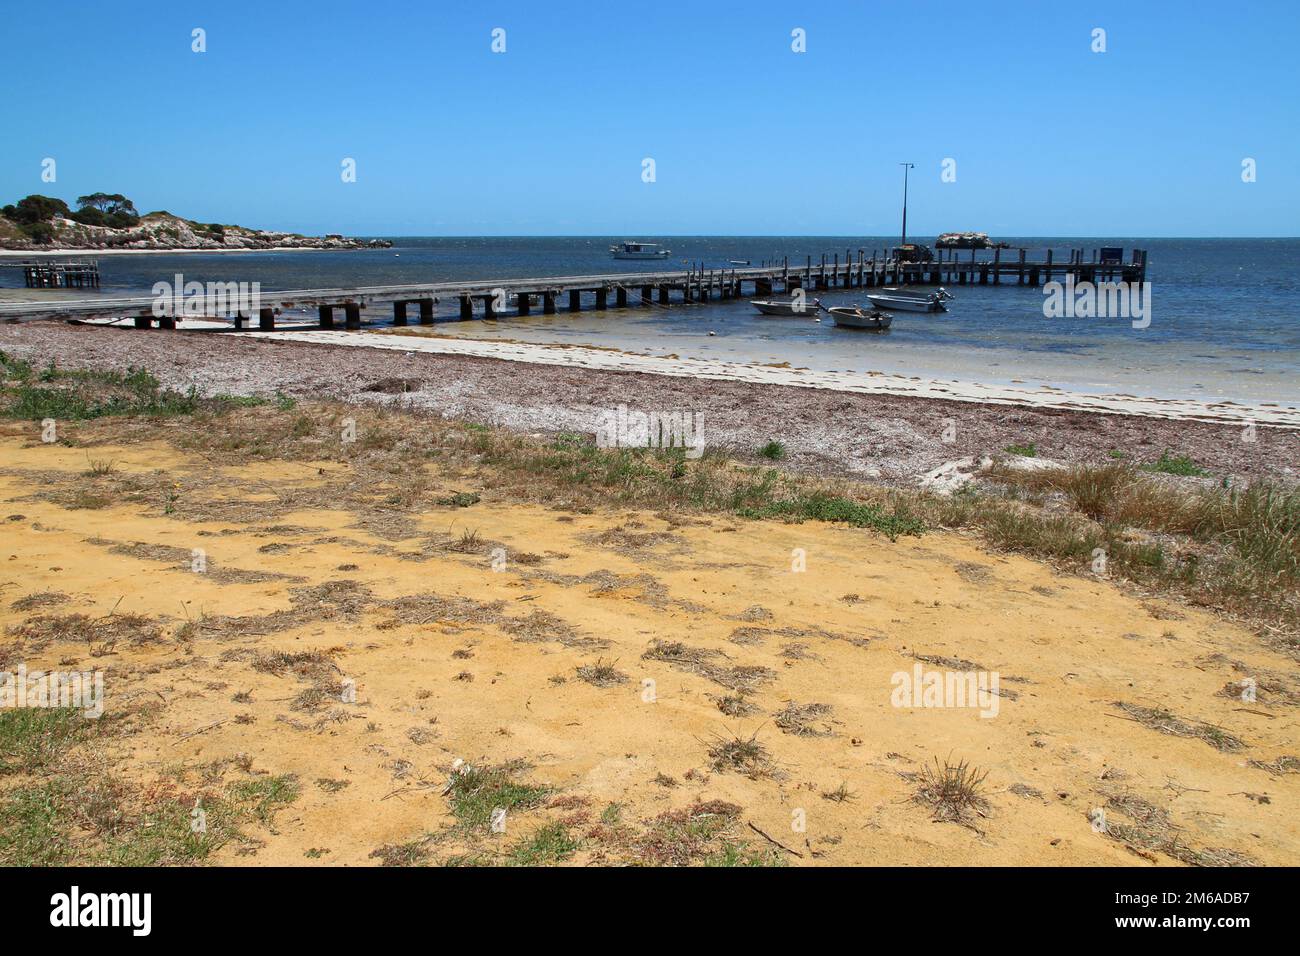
(51,253)
(871,382)
(890,437)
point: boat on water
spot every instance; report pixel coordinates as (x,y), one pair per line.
(893,299)
(639,250)
(790,308)
(856,317)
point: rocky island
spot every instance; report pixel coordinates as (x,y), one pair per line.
(108,222)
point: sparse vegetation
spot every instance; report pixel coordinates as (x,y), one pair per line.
(743,755)
(1024,451)
(602,673)
(474,792)
(1169,464)
(954,792)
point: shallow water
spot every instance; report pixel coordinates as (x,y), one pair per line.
(1223,313)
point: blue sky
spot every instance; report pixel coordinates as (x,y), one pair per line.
(748,137)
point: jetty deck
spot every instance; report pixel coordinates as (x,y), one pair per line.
(492,298)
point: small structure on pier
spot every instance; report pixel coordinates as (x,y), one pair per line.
(62,274)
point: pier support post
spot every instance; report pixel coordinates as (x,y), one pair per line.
(326,316)
(466,307)
(575,300)
(240,319)
(167,322)
(602,298)
(266,319)
(548,303)
(426,312)
(352,315)
(647,294)
(489,307)
(620,297)
(997,267)
(399,313)
(144,320)
(663,294)
(525,303)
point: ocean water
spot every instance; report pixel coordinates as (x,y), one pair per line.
(1225,313)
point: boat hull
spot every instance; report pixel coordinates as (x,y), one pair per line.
(641,255)
(892,303)
(786,309)
(855,319)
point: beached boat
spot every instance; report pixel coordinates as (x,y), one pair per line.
(639,250)
(787,307)
(909,300)
(856,317)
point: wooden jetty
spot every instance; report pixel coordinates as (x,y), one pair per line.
(59,273)
(521,296)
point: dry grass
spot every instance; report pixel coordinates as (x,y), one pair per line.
(601,674)
(805,720)
(954,792)
(1150,830)
(1168,723)
(743,755)
(106,631)
(40,599)
(703,661)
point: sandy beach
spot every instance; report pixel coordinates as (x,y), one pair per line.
(635,686)
(891,428)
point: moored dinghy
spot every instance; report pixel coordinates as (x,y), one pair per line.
(856,317)
(790,308)
(909,300)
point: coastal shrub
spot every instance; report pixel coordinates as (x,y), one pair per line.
(14,367)
(75,395)
(819,506)
(1259,522)
(773,450)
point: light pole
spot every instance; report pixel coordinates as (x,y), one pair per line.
(906,167)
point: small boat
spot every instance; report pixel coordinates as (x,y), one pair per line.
(787,307)
(856,317)
(738,262)
(909,300)
(639,250)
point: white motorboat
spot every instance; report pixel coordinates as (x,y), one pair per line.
(856,317)
(909,300)
(639,250)
(790,308)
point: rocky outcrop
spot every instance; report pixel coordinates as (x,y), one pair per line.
(163,231)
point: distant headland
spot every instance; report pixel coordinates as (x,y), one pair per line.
(109,222)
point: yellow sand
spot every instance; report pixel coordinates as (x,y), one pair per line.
(1078,644)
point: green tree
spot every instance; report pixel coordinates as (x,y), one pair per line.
(36,208)
(106,209)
